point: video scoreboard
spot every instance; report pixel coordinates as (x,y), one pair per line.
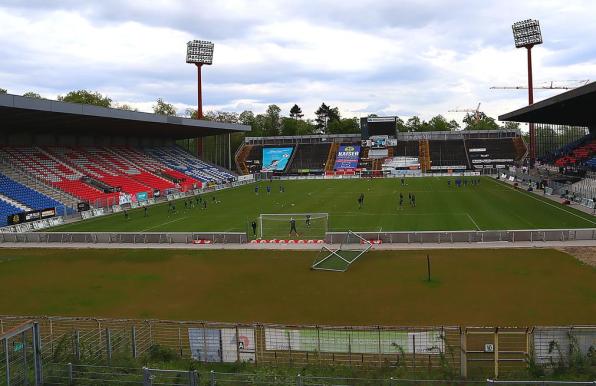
(375,126)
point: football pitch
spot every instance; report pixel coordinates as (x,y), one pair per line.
(507,287)
(490,205)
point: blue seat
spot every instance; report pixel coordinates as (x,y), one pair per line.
(30,197)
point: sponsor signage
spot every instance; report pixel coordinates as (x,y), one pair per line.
(142,196)
(124,198)
(276,158)
(32,215)
(347,157)
(83,206)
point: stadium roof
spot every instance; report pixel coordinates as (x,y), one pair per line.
(42,116)
(574,107)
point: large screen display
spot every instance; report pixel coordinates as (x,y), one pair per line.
(378,126)
(276,158)
(347,157)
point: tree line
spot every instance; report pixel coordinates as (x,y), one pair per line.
(271,123)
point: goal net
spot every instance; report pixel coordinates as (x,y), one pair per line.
(339,260)
(279,225)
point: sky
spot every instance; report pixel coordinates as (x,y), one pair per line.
(387,57)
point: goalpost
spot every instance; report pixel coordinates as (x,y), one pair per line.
(339,260)
(308,225)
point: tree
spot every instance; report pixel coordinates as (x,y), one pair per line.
(86,97)
(163,108)
(325,114)
(414,124)
(3,91)
(126,107)
(296,112)
(31,94)
(246,117)
(400,126)
(289,126)
(221,116)
(480,121)
(511,126)
(439,123)
(344,126)
(272,121)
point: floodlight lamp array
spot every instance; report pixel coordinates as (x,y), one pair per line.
(526,33)
(199,52)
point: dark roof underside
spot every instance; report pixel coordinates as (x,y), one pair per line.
(42,116)
(576,107)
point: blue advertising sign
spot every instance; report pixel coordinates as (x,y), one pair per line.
(142,196)
(347,157)
(276,158)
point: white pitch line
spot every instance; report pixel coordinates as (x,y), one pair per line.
(162,224)
(471,219)
(545,202)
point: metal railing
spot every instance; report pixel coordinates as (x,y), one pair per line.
(125,237)
(69,374)
(447,237)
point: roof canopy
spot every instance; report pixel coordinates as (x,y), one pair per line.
(42,116)
(574,108)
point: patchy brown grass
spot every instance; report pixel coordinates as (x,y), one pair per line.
(468,287)
(586,255)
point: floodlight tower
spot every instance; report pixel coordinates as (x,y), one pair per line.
(199,52)
(526,34)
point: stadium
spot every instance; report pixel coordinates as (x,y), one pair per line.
(130,254)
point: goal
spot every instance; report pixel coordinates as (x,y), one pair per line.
(339,260)
(308,225)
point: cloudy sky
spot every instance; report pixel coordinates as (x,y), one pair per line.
(389,57)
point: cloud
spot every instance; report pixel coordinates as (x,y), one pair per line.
(373,56)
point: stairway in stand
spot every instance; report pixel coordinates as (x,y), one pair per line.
(377,163)
(424,155)
(520,148)
(331,157)
(241,159)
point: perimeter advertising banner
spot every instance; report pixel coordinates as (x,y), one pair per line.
(276,158)
(29,216)
(347,157)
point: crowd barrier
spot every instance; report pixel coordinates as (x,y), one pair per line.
(428,237)
(463,351)
(125,237)
(512,236)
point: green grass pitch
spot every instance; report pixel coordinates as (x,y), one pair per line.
(507,287)
(491,205)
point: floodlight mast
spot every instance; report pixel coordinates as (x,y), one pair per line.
(527,34)
(199,53)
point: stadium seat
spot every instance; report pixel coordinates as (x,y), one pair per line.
(179,159)
(30,197)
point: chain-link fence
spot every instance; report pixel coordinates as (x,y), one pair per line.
(449,351)
(20,356)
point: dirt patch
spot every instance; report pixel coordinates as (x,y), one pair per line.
(586,255)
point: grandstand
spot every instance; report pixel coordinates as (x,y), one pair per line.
(49,159)
(566,143)
(459,151)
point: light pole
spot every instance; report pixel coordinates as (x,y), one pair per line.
(527,34)
(199,52)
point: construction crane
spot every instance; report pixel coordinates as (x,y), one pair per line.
(547,85)
(476,111)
